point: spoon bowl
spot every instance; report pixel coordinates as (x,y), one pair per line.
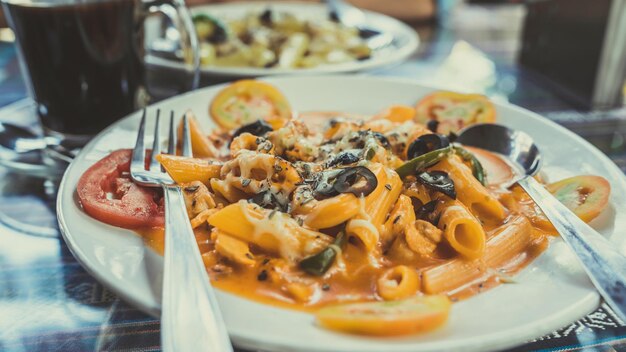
(604,264)
(516,146)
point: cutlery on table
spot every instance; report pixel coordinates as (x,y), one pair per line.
(190,316)
(604,264)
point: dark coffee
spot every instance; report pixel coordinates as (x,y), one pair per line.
(85,61)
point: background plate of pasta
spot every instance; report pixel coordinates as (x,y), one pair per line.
(339,214)
(251,39)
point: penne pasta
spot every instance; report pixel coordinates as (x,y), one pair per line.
(509,241)
(397,283)
(184,170)
(233,248)
(367,224)
(332,212)
(470,192)
(461,229)
(277,234)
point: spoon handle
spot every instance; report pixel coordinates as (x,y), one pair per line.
(602,261)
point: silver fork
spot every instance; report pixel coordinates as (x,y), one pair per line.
(190,317)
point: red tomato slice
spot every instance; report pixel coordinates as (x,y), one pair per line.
(585,195)
(107,193)
(409,316)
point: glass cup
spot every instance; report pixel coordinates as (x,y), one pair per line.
(85,60)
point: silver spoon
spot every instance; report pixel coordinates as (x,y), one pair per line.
(22,151)
(604,264)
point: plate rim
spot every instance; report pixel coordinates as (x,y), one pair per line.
(582,308)
(400,55)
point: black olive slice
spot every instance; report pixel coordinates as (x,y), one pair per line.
(426,209)
(265,199)
(344,158)
(382,139)
(324,183)
(427,143)
(266,17)
(358,180)
(438,181)
(257,128)
(332,15)
(432,125)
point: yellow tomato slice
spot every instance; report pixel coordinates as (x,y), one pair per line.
(454,111)
(585,195)
(397,113)
(246,101)
(409,316)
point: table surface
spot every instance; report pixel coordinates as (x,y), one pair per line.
(49,303)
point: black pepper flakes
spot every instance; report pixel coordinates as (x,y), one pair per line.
(245,182)
(325,287)
(388,187)
(249,255)
(272,213)
(395,221)
(262,275)
(265,261)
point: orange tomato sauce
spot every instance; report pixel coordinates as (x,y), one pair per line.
(265,281)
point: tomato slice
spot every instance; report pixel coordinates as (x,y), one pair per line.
(107,193)
(409,316)
(397,113)
(454,111)
(246,101)
(585,195)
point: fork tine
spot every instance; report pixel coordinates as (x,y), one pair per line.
(139,153)
(186,142)
(171,146)
(156,145)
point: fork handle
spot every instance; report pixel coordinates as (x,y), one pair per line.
(604,264)
(189,307)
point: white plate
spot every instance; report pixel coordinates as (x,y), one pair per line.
(405,40)
(552,292)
